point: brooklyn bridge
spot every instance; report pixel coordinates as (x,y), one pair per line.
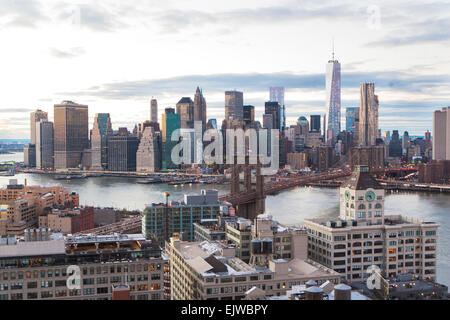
(250,201)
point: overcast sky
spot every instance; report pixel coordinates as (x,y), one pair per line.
(115,55)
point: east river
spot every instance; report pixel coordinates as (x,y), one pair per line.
(289,207)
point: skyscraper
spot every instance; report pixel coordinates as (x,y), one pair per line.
(315,123)
(170,123)
(71,134)
(273,108)
(99,149)
(277,95)
(368,115)
(441,134)
(36,116)
(350,117)
(333,98)
(234,105)
(148,156)
(154,110)
(249,115)
(44,144)
(185,108)
(200,107)
(405,142)
(395,146)
(122,149)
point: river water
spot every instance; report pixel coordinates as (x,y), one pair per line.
(289,207)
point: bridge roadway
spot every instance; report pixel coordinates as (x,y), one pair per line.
(414,186)
(270,188)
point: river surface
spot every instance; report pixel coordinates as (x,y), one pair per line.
(289,207)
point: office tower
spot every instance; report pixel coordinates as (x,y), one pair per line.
(70,134)
(122,149)
(350,117)
(315,123)
(148,157)
(362,235)
(387,136)
(44,145)
(154,110)
(368,115)
(428,142)
(170,123)
(99,149)
(273,108)
(200,107)
(96,148)
(29,155)
(395,146)
(185,108)
(333,98)
(36,116)
(234,105)
(441,134)
(249,115)
(325,127)
(268,121)
(277,95)
(405,142)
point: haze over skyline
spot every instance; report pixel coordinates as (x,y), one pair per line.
(115,55)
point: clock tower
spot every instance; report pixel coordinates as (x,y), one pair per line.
(362,198)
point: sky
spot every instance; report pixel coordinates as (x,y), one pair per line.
(116,55)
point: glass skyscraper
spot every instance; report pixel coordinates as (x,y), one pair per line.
(170,122)
(333,98)
(277,95)
(350,116)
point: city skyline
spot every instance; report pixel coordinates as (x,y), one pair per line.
(418,84)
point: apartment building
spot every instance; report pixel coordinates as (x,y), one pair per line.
(38,270)
(161,221)
(211,271)
(363,236)
(22,205)
(68,220)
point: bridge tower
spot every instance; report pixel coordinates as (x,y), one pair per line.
(255,205)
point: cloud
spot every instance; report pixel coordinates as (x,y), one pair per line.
(67,54)
(416,23)
(142,89)
(21,13)
(172,21)
(15,110)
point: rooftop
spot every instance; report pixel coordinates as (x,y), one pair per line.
(391,220)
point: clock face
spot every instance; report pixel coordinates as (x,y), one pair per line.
(347,195)
(370,196)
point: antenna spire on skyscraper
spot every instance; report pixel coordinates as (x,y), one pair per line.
(333,49)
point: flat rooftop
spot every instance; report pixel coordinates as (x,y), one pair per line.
(33,248)
(391,220)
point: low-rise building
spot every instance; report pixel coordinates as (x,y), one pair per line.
(68,220)
(40,270)
(211,271)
